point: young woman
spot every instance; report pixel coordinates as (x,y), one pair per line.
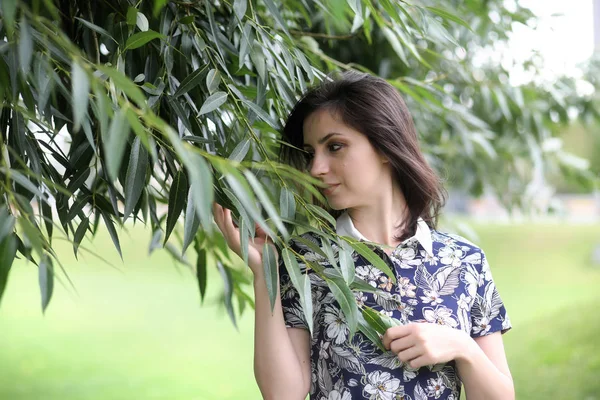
(359,139)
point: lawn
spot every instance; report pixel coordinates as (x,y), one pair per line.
(137,330)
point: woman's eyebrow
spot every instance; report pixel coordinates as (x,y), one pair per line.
(324,138)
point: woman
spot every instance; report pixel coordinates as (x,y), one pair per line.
(359,140)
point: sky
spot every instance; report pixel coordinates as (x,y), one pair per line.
(564,37)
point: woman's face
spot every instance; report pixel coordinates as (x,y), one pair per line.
(344,159)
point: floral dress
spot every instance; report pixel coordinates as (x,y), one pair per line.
(441,279)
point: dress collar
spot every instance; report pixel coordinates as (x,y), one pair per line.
(345,227)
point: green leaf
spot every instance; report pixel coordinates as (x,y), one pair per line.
(9,10)
(446,15)
(142,22)
(135,179)
(190,82)
(262,114)
(370,333)
(246,42)
(347,302)
(275,13)
(25,46)
(8,251)
(346,262)
(373,258)
(240,150)
(322,213)
(112,231)
(266,202)
(244,239)
(177,197)
(239,7)
(305,65)
(123,83)
(213,79)
(202,189)
(80,234)
(32,234)
(213,102)
(141,38)
(131,16)
(46,280)
(23,181)
(228,289)
(191,222)
(80,92)
(287,203)
(270,269)
(96,28)
(201,271)
(114,143)
(7,223)
(302,284)
(373,318)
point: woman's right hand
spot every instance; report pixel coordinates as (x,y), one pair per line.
(232,237)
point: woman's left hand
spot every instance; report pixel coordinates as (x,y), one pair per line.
(420,344)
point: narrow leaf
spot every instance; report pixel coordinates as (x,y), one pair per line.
(213,102)
(270,270)
(346,262)
(123,83)
(347,302)
(275,13)
(322,213)
(302,284)
(141,38)
(8,250)
(240,150)
(191,222)
(190,82)
(46,280)
(114,144)
(142,22)
(80,93)
(287,203)
(25,46)
(373,258)
(239,7)
(112,231)
(266,202)
(213,79)
(135,179)
(370,333)
(201,272)
(449,16)
(96,28)
(80,234)
(228,289)
(177,197)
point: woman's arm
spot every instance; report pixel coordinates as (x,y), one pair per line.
(281,355)
(484,370)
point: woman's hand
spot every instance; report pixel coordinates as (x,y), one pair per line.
(420,344)
(232,237)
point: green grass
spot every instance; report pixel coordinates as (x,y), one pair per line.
(139,332)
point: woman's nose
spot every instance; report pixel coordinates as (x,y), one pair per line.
(318,166)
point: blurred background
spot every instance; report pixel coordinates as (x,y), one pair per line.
(136,329)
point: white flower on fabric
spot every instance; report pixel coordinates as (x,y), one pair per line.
(431,296)
(406,309)
(337,329)
(368,273)
(381,386)
(324,349)
(464,302)
(360,298)
(385,283)
(450,256)
(435,387)
(406,288)
(406,258)
(352,382)
(336,395)
(481,325)
(428,258)
(441,316)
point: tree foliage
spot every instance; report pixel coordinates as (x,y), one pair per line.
(149,111)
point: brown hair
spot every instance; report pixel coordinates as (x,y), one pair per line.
(375,108)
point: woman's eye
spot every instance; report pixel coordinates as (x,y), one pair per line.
(335,147)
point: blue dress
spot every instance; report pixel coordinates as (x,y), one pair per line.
(440,278)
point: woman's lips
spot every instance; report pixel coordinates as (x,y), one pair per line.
(329,190)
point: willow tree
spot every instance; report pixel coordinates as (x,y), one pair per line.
(116,111)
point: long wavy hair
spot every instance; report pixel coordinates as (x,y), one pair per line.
(373,107)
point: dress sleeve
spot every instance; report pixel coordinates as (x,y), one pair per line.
(488,314)
(290,300)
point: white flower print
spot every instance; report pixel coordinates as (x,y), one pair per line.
(441,316)
(336,395)
(360,298)
(337,329)
(435,387)
(428,258)
(450,256)
(431,296)
(405,256)
(464,302)
(368,273)
(385,283)
(406,288)
(381,386)
(324,349)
